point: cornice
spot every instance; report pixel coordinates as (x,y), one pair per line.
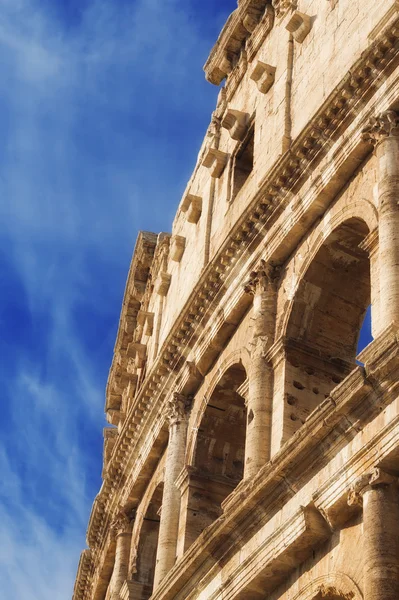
(135,287)
(285,177)
(239,27)
(85,568)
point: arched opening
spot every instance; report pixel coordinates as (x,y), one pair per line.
(218,464)
(324,326)
(148,543)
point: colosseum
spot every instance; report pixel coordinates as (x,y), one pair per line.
(252,451)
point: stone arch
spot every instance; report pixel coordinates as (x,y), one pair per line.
(145,536)
(217,455)
(363,210)
(237,357)
(321,330)
(334,586)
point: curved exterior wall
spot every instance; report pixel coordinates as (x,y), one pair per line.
(251,453)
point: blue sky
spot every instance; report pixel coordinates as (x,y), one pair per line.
(103,107)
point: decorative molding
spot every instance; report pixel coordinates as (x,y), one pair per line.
(382,126)
(370,243)
(85,569)
(122,523)
(192,206)
(263,75)
(177,247)
(375,478)
(337,585)
(299,25)
(262,279)
(177,408)
(236,122)
(216,161)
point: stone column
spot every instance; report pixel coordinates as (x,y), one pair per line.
(177,415)
(262,285)
(383,133)
(122,530)
(378,493)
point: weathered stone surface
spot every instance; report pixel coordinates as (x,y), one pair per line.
(259,457)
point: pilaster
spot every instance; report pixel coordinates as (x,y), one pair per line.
(176,413)
(262,286)
(383,133)
(377,492)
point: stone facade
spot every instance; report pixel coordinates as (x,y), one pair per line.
(252,454)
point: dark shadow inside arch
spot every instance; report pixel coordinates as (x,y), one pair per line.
(147,549)
(219,455)
(326,319)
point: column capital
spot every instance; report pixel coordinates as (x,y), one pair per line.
(122,522)
(382,126)
(177,408)
(262,279)
(372,479)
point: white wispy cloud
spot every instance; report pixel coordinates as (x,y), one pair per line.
(98,116)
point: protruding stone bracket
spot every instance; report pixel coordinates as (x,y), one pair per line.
(146,321)
(263,75)
(216,161)
(236,122)
(163,284)
(192,206)
(281,7)
(299,25)
(177,247)
(138,352)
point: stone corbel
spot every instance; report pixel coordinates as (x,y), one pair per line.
(216,161)
(281,7)
(299,25)
(146,320)
(236,122)
(138,352)
(130,324)
(192,206)
(163,284)
(263,75)
(177,247)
